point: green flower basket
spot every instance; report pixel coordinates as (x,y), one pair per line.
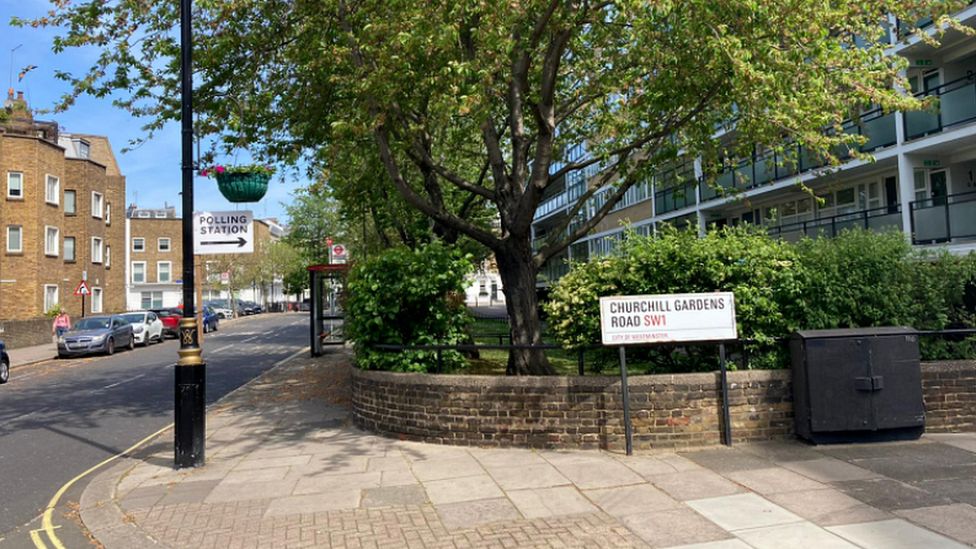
(243,187)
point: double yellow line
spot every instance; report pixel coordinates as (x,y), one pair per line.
(47,521)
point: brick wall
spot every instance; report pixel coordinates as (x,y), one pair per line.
(949,391)
(667,411)
(25,333)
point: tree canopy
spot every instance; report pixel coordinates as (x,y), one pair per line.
(478,101)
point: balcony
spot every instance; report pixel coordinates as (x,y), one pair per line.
(554,204)
(674,198)
(876,219)
(944,218)
(957,105)
(876,126)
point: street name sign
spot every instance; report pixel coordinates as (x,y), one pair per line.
(223,232)
(666,318)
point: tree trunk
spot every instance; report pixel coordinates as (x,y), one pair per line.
(518,276)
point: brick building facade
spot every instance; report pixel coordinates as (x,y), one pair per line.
(56,219)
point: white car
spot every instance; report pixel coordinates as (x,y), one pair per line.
(146,326)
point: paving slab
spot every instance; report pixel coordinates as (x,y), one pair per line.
(828,507)
(695,484)
(674,527)
(231,492)
(313,503)
(471,514)
(189,492)
(257,475)
(728,460)
(890,495)
(648,466)
(957,521)
(597,473)
(462,489)
(312,484)
(781,451)
(550,502)
(508,457)
(773,481)
(893,534)
(960,490)
(965,441)
(536,475)
(724,544)
(394,495)
(453,467)
(800,535)
(829,469)
(742,511)
(629,500)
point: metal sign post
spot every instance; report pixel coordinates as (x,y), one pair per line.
(668,318)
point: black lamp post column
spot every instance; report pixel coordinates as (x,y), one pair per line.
(190,412)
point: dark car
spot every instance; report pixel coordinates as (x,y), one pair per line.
(171,321)
(96,334)
(210,319)
(4,364)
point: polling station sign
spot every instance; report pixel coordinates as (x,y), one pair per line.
(642,319)
(223,232)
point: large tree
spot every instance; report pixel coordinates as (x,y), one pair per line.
(485,97)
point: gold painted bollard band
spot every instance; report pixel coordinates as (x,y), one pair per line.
(190,353)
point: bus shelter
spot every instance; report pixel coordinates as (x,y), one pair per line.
(327,283)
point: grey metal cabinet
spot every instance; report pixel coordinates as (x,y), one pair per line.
(857,384)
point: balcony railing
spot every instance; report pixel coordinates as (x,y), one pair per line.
(877,219)
(944,218)
(876,126)
(957,105)
(555,203)
(674,198)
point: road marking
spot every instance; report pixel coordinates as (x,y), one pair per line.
(124,381)
(221,349)
(47,524)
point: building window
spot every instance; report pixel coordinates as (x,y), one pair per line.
(69,248)
(108,213)
(164,244)
(50,297)
(138,244)
(161,215)
(143,215)
(15,240)
(152,300)
(97,204)
(15,185)
(52,190)
(52,237)
(82,148)
(70,202)
(96,300)
(96,249)
(138,272)
(108,257)
(163,269)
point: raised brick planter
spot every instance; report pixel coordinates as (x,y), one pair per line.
(667,411)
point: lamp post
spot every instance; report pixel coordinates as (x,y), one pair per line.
(189,412)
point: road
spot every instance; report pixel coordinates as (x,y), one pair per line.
(59,418)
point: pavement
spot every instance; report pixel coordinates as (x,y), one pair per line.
(286,468)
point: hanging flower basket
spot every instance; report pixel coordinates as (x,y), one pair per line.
(241,183)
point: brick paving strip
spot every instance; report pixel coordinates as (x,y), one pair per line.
(286,468)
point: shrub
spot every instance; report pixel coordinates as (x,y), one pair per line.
(404,297)
(764,275)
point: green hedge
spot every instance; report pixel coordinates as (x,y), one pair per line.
(408,297)
(858,279)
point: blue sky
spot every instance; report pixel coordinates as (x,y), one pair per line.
(153,170)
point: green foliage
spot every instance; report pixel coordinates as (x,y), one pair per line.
(763,274)
(408,297)
(859,279)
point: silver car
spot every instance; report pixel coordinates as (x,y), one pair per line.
(96,334)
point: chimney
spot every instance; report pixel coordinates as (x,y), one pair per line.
(20,96)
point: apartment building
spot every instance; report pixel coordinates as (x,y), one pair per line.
(922,182)
(155,268)
(57,221)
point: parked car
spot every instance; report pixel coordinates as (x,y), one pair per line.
(96,334)
(221,308)
(4,364)
(146,326)
(210,319)
(171,321)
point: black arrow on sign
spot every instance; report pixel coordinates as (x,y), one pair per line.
(240,242)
